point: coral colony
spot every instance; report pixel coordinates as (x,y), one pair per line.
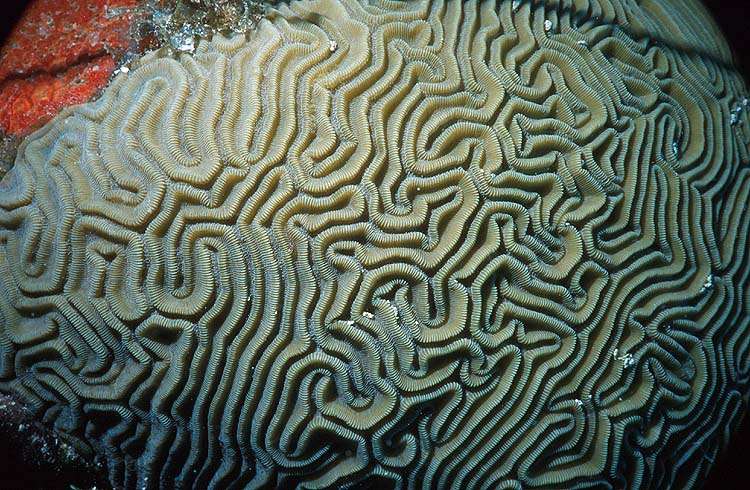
(410,244)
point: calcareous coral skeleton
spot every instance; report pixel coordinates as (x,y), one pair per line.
(424,244)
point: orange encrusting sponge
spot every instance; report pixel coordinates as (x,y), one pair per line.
(59,54)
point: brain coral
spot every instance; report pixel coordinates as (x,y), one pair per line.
(434,244)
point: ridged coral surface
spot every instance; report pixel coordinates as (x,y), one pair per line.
(432,244)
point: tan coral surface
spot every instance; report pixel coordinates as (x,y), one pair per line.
(434,244)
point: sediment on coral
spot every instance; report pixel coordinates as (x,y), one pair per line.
(426,244)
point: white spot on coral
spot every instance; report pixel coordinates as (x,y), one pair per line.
(183,40)
(368,315)
(332,46)
(627,360)
(735,114)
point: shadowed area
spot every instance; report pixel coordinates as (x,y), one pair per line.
(35,457)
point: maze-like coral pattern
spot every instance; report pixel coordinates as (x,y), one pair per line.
(426,244)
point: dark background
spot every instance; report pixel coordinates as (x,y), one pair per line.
(731,469)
